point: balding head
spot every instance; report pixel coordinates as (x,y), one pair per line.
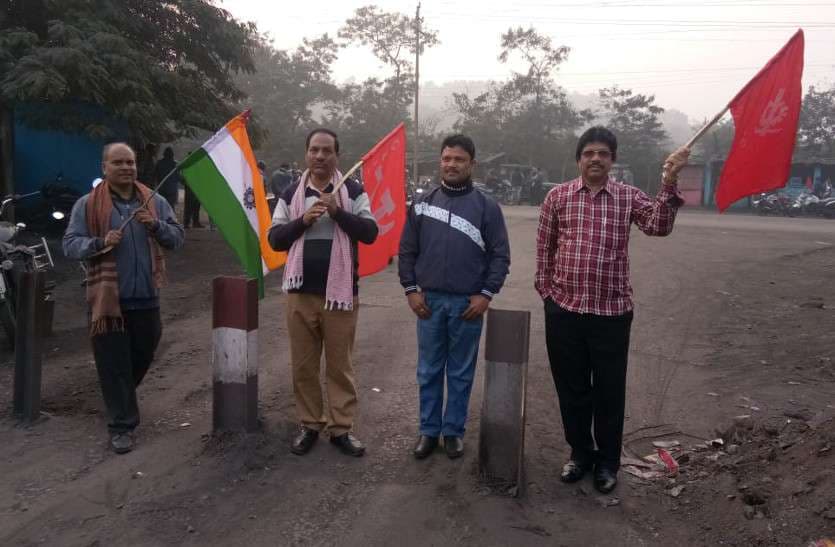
(119,165)
(114,145)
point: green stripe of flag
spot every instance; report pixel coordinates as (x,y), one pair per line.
(223,207)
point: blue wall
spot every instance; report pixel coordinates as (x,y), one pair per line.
(41,156)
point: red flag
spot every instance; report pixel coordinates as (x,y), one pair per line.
(765,115)
(384,178)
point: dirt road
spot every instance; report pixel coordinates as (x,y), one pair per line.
(734,316)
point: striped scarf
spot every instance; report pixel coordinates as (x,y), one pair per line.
(102,275)
(339,292)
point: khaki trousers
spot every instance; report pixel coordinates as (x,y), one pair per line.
(312,328)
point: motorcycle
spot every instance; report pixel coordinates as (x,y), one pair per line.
(17,256)
(773,204)
(810,204)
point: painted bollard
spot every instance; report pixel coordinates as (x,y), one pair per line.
(502,437)
(234,354)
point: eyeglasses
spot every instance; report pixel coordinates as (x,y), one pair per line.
(603,154)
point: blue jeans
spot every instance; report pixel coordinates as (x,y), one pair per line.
(446,343)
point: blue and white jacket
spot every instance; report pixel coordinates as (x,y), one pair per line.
(454,241)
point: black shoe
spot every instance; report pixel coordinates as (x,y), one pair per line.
(454,446)
(349,444)
(121,443)
(425,446)
(304,441)
(605,480)
(573,471)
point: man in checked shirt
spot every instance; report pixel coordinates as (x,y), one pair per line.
(582,274)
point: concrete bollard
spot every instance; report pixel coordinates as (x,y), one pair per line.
(29,317)
(502,439)
(235,354)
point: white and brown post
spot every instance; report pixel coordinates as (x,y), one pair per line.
(501,447)
(235,354)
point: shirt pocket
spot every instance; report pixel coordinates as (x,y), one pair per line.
(615,235)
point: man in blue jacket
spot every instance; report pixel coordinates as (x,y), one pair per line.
(125,270)
(454,257)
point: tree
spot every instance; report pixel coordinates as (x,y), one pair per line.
(528,116)
(162,68)
(285,90)
(816,127)
(635,120)
(369,109)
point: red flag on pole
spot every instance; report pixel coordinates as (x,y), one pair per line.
(765,115)
(384,178)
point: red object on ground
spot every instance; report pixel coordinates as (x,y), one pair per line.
(669,461)
(384,178)
(765,114)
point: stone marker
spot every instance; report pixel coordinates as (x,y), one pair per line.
(502,439)
(235,354)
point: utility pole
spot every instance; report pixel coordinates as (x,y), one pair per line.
(417,97)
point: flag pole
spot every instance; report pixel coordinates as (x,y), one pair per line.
(154,192)
(700,133)
(339,184)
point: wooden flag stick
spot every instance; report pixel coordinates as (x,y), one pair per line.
(345,177)
(155,191)
(700,133)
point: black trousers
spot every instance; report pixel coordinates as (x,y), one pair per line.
(122,359)
(588,355)
(191,209)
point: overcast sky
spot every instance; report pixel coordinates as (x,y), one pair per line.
(693,55)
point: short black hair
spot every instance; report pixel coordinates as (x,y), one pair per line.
(461,141)
(598,133)
(326,131)
(168,153)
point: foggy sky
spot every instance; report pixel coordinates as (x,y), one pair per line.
(693,55)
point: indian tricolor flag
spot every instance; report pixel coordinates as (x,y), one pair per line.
(224,175)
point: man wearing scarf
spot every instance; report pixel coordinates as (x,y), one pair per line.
(126,269)
(320,228)
(454,257)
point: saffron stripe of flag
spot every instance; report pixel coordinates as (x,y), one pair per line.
(224,176)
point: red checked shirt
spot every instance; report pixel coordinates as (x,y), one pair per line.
(582,260)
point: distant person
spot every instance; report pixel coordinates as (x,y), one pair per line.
(280,180)
(170,189)
(517,178)
(191,210)
(450,271)
(146,173)
(262,169)
(320,227)
(582,275)
(122,284)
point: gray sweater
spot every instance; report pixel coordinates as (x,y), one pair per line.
(133,254)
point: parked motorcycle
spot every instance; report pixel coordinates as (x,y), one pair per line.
(773,204)
(810,204)
(19,256)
